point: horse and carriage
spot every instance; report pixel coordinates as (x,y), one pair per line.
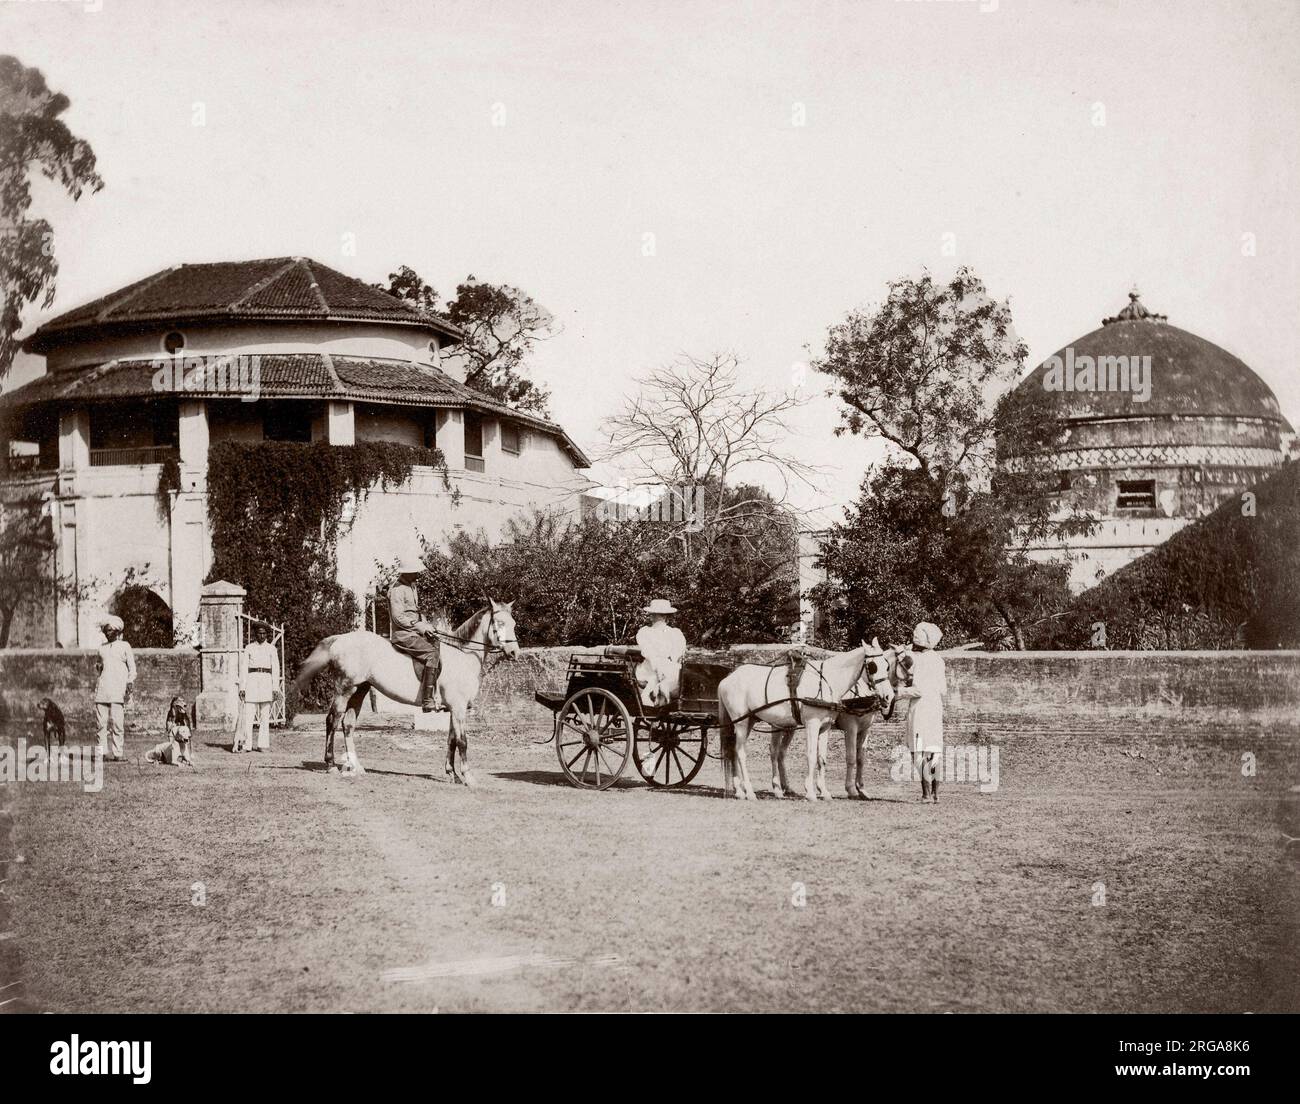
(620,706)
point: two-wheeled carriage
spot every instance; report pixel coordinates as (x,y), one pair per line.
(601,723)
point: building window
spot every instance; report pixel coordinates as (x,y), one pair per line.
(1062,480)
(1136,494)
(431,431)
(510,438)
(174,342)
(287,422)
(473,443)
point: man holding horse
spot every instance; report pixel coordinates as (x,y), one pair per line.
(412,634)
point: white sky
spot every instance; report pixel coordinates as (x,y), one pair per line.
(923,118)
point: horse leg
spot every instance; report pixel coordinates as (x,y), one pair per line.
(811,729)
(860,740)
(330,721)
(852,768)
(777,751)
(823,745)
(745,788)
(350,714)
(454,770)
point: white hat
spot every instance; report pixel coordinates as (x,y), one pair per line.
(926,635)
(410,565)
(112,622)
(660,605)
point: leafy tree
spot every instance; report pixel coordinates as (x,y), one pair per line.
(943,523)
(32,136)
(27,548)
(585,583)
(502,325)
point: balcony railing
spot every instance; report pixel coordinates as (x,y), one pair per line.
(115,457)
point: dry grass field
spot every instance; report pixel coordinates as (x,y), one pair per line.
(398,891)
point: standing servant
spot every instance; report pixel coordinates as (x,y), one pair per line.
(116,668)
(259,680)
(925,713)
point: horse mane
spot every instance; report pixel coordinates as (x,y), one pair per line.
(466,629)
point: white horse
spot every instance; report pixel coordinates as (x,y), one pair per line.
(755,693)
(366,659)
(855,726)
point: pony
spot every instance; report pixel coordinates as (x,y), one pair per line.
(854,725)
(366,659)
(747,697)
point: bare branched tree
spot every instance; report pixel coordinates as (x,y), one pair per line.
(691,424)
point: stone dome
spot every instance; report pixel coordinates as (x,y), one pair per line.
(1190,377)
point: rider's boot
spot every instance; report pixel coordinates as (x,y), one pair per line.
(429,698)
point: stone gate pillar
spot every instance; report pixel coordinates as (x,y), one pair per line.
(220,605)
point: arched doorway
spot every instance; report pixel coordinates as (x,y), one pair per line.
(148,619)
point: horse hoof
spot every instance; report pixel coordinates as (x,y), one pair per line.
(778,795)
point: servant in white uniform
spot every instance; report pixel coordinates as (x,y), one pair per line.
(113,689)
(925,712)
(259,678)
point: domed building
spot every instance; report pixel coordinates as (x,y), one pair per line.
(1163,426)
(140,383)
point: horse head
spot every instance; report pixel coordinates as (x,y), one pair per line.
(501,628)
(879,672)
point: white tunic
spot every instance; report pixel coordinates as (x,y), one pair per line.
(925,712)
(117,671)
(662,643)
(260,672)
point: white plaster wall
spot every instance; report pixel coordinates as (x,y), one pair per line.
(393,341)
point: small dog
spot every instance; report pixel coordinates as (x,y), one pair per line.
(52,723)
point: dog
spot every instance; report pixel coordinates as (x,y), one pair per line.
(52,723)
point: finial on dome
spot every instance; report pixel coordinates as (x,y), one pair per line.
(1135,311)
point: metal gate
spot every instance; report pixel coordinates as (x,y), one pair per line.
(246,625)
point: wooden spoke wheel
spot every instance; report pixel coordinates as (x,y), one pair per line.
(670,752)
(593,738)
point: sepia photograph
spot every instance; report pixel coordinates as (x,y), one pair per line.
(728,506)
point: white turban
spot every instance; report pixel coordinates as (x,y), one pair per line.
(926,635)
(112,622)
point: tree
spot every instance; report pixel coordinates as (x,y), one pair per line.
(943,524)
(27,547)
(691,431)
(691,427)
(502,325)
(32,136)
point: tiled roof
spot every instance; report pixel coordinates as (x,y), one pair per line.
(276,289)
(280,376)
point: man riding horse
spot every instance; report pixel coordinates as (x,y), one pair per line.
(412,634)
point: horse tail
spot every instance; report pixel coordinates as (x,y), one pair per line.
(726,734)
(321,657)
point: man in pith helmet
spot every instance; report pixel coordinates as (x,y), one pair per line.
(412,634)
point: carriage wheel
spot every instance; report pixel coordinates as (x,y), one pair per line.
(668,752)
(593,738)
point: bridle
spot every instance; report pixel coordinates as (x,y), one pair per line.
(487,646)
(876,683)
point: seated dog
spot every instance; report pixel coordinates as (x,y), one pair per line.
(52,723)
